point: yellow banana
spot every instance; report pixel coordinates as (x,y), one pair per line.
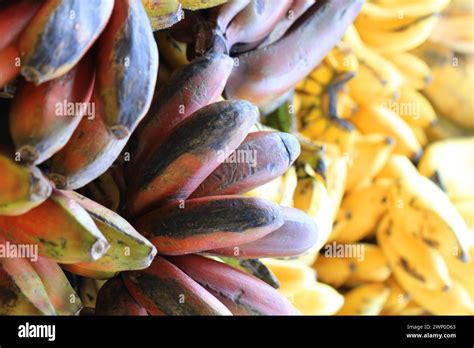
(290,181)
(317,299)
(377,78)
(466,209)
(333,270)
(398,299)
(370,153)
(380,119)
(311,196)
(360,212)
(397,166)
(451,89)
(452,160)
(367,299)
(415,257)
(416,73)
(173,51)
(452,301)
(433,217)
(455,32)
(292,275)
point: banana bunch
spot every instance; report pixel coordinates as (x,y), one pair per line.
(268,40)
(398,26)
(180,182)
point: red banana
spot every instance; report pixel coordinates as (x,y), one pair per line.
(298,234)
(255,21)
(268,72)
(114,299)
(43,118)
(228,220)
(47,52)
(261,157)
(177,100)
(163,289)
(127,67)
(190,154)
(242,293)
(90,151)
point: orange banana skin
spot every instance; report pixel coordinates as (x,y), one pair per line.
(22,188)
(127,67)
(60,227)
(38,124)
(114,299)
(230,220)
(19,274)
(190,154)
(298,234)
(82,270)
(176,101)
(274,153)
(269,72)
(242,293)
(60,292)
(81,23)
(163,289)
(9,63)
(90,151)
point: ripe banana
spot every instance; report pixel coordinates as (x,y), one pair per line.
(127,68)
(90,151)
(114,299)
(452,301)
(44,117)
(293,275)
(21,188)
(297,234)
(416,73)
(432,216)
(200,4)
(67,234)
(456,177)
(311,196)
(242,293)
(190,154)
(231,221)
(177,100)
(171,50)
(415,256)
(450,90)
(248,166)
(163,289)
(360,212)
(370,154)
(397,166)
(377,78)
(254,22)
(367,299)
(9,64)
(295,11)
(380,119)
(282,60)
(80,22)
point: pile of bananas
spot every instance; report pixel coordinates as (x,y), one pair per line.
(127,196)
(395,99)
(198,157)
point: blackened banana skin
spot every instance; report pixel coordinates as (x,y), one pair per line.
(228,221)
